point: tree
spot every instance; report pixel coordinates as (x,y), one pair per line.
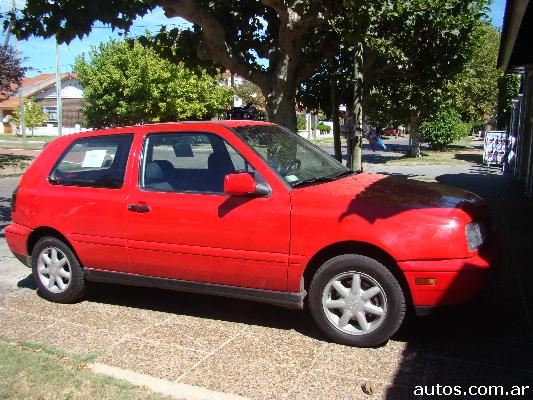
(127,83)
(293,37)
(11,72)
(475,88)
(250,94)
(508,90)
(431,41)
(34,115)
(412,50)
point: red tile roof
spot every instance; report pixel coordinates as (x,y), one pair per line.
(13,101)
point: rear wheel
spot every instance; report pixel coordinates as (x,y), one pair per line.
(57,271)
(355,300)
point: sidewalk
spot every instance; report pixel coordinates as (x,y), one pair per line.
(20,152)
(263,352)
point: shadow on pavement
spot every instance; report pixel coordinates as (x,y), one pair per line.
(489,341)
(470,157)
(27,283)
(5,214)
(204,306)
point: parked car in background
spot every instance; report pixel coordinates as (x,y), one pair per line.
(249,210)
(390,132)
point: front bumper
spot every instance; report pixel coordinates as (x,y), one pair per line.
(17,240)
(448,282)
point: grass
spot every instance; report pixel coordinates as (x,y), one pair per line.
(22,145)
(459,152)
(13,164)
(28,371)
(29,138)
(18,142)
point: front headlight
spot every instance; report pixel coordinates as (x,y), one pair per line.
(476,234)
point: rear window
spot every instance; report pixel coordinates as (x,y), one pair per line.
(98,161)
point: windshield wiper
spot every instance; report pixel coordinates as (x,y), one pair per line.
(314,180)
(343,173)
(328,178)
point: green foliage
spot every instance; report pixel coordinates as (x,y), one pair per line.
(274,44)
(11,72)
(323,128)
(475,88)
(34,115)
(250,94)
(508,89)
(300,123)
(412,51)
(444,128)
(128,84)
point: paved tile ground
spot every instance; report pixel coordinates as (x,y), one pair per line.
(264,352)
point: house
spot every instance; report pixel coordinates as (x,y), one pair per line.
(42,88)
(516,56)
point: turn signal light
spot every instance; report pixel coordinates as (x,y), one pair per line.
(425,281)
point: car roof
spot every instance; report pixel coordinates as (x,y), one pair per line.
(170,125)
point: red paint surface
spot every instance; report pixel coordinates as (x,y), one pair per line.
(257,242)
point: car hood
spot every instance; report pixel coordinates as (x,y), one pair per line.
(398,193)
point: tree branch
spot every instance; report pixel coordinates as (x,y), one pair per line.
(307,65)
(213,37)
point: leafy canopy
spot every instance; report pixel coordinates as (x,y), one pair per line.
(274,44)
(11,72)
(34,115)
(475,88)
(129,84)
(250,94)
(412,50)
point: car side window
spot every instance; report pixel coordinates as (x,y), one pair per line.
(188,162)
(98,161)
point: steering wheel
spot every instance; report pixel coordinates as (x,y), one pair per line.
(295,165)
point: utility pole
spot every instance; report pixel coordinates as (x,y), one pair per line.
(58,92)
(21,116)
(8,33)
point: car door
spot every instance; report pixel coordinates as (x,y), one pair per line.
(181,225)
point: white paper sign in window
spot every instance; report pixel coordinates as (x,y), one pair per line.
(94,159)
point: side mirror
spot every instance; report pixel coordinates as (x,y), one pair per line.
(243,184)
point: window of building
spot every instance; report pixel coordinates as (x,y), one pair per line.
(52,114)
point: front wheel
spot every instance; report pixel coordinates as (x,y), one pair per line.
(355,300)
(57,271)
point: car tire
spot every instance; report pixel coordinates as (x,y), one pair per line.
(356,301)
(57,271)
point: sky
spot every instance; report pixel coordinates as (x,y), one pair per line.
(39,54)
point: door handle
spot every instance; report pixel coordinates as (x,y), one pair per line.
(138,208)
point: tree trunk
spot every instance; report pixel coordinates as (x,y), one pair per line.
(335,110)
(355,148)
(280,108)
(414,133)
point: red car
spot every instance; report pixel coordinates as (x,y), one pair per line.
(390,132)
(248,210)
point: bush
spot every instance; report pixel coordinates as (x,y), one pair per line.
(445,128)
(300,123)
(323,128)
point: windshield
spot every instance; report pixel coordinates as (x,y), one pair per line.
(294,158)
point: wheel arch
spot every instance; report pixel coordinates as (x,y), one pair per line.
(45,231)
(361,248)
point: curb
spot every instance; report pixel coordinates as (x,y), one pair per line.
(176,390)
